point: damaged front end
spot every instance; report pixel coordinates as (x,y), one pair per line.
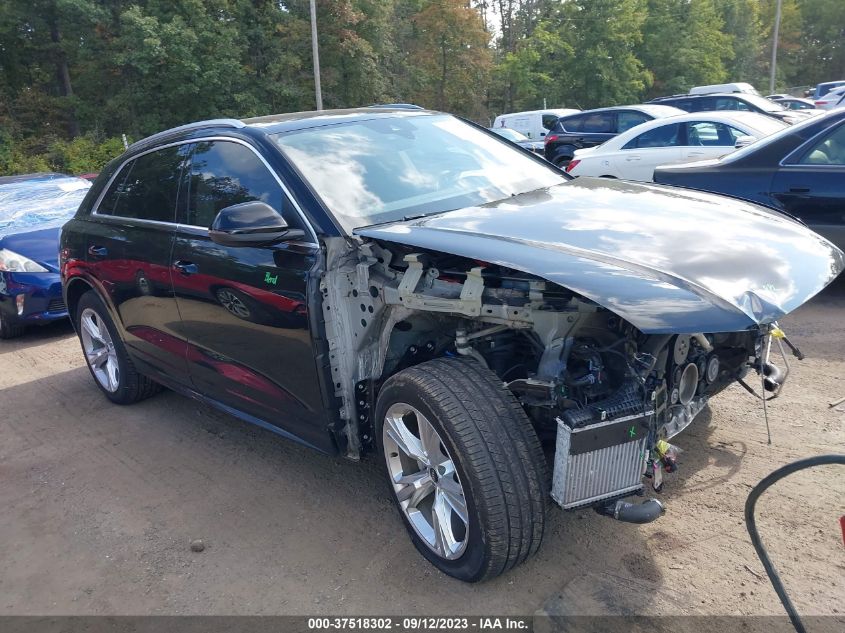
(604,397)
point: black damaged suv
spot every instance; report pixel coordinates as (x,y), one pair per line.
(405,283)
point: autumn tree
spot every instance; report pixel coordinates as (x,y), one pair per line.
(450,48)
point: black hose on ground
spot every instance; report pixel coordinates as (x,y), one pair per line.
(751,524)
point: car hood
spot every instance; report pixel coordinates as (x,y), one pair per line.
(40,245)
(667,260)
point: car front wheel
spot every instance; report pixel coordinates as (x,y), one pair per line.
(465,467)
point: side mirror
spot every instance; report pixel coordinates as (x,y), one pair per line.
(744,141)
(252,223)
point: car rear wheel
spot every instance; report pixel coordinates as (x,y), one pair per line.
(563,162)
(106,356)
(9,330)
(465,467)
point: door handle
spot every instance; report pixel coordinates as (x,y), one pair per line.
(799,189)
(186,268)
(632,158)
(98,251)
(695,153)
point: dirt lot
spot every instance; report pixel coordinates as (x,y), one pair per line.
(100,503)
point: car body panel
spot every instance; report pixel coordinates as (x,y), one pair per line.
(666,260)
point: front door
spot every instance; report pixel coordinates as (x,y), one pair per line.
(244,309)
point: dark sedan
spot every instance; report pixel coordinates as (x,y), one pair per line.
(800,170)
(32,210)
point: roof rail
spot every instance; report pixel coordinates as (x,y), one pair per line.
(235,123)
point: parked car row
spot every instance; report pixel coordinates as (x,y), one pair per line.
(634,154)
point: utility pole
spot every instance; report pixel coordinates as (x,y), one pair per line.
(318,92)
(775,34)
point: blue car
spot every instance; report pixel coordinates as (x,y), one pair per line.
(32,211)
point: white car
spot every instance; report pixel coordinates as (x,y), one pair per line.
(830,99)
(634,154)
(534,124)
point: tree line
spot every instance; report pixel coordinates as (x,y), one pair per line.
(75,75)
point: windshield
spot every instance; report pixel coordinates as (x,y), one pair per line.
(763,103)
(798,128)
(388,168)
(511,135)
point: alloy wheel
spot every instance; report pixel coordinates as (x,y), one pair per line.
(425,481)
(99,350)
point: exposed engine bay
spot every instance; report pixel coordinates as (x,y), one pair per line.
(604,398)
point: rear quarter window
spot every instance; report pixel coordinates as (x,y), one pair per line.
(147,187)
(572,124)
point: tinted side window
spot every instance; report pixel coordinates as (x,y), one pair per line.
(225,173)
(572,124)
(727,103)
(147,187)
(629,119)
(549,121)
(683,104)
(663,136)
(600,123)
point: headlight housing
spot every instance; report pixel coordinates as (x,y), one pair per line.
(12,262)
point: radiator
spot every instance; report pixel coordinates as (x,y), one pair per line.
(599,461)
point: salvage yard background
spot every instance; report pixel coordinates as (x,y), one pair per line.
(100,505)
(76,74)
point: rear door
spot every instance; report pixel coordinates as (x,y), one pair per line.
(810,184)
(708,139)
(130,240)
(658,146)
(626,119)
(244,309)
(596,128)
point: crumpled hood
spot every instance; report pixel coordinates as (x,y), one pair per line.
(667,260)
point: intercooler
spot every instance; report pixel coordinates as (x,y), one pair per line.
(599,461)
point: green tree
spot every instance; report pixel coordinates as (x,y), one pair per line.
(684,45)
(604,69)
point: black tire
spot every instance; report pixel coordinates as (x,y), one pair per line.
(132,386)
(497,456)
(562,162)
(10,330)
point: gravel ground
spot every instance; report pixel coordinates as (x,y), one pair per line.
(100,505)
